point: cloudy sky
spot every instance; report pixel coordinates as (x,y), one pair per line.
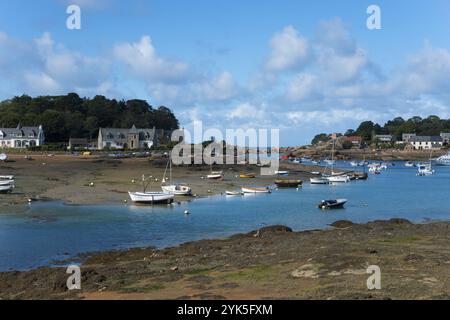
(303,67)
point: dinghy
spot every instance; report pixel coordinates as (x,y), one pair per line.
(319,181)
(215,175)
(233,193)
(248,176)
(282,183)
(255,190)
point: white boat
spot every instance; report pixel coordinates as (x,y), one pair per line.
(151,197)
(7,189)
(409,164)
(233,193)
(425,170)
(319,181)
(282,173)
(338,179)
(255,190)
(177,189)
(6,177)
(215,175)
(6,182)
(444,160)
(3,157)
(354,163)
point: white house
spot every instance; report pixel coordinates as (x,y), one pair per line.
(426,142)
(21,137)
(445,137)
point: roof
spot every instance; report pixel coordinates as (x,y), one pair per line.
(150,132)
(426,139)
(26,132)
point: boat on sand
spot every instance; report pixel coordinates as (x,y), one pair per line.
(284,183)
(255,190)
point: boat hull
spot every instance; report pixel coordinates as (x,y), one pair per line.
(255,190)
(319,181)
(6,189)
(332,204)
(151,197)
(179,190)
(288,183)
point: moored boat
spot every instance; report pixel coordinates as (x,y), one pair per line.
(255,190)
(283,183)
(319,180)
(215,175)
(233,193)
(247,176)
(179,189)
(444,160)
(7,189)
(339,179)
(151,197)
(6,177)
(332,204)
(6,182)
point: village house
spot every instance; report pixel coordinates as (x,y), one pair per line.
(355,140)
(426,142)
(406,137)
(132,139)
(445,137)
(21,137)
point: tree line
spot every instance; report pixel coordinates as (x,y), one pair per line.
(430,126)
(70,116)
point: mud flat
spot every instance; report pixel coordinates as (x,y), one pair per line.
(270,263)
(68,178)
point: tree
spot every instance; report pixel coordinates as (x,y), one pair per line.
(322,137)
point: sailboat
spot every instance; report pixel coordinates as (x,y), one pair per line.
(215,175)
(150,197)
(177,189)
(335,177)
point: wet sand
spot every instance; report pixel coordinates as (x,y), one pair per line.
(67,178)
(270,263)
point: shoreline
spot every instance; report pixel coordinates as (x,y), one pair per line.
(272,262)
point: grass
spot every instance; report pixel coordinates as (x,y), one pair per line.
(256,273)
(401,240)
(149,288)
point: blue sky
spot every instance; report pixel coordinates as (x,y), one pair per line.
(301,66)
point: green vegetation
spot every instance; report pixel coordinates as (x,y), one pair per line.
(69,116)
(431,126)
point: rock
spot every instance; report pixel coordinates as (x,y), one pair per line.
(400,221)
(174,268)
(306,271)
(342,224)
(272,230)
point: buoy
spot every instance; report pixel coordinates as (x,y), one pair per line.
(156,179)
(133,181)
(202,178)
(209,191)
(91,184)
(125,201)
(186,212)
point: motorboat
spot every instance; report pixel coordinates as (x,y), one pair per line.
(6,177)
(255,190)
(444,160)
(283,183)
(409,164)
(332,204)
(6,182)
(151,197)
(319,180)
(282,173)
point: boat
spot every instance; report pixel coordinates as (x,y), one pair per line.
(6,182)
(338,179)
(409,164)
(7,189)
(6,177)
(296,161)
(247,176)
(361,175)
(233,193)
(215,175)
(255,190)
(3,157)
(282,173)
(283,183)
(151,197)
(444,160)
(178,188)
(329,162)
(332,204)
(426,169)
(319,180)
(354,163)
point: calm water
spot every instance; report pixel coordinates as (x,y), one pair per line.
(41,233)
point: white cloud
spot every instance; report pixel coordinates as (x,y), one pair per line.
(142,59)
(289,50)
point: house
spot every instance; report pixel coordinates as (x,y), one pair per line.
(426,142)
(21,137)
(133,138)
(384,138)
(355,140)
(445,137)
(406,137)
(81,144)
